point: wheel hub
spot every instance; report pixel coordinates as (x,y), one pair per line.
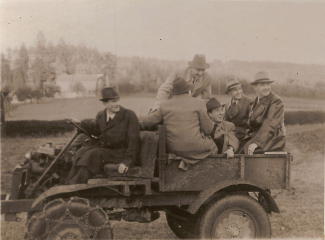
(69,236)
(233,230)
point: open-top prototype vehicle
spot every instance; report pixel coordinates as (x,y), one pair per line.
(217,197)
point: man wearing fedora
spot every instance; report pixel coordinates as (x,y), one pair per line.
(194,74)
(223,133)
(266,118)
(237,109)
(188,127)
(120,140)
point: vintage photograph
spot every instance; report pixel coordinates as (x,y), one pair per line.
(162,119)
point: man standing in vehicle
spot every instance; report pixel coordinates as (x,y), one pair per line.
(266,118)
(237,109)
(119,131)
(188,126)
(194,74)
(223,133)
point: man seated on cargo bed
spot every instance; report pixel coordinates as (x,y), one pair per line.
(188,126)
(223,133)
(266,119)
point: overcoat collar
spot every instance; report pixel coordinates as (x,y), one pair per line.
(258,108)
(239,106)
(102,117)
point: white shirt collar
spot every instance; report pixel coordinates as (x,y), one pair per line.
(109,116)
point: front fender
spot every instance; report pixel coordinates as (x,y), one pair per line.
(63,189)
(238,185)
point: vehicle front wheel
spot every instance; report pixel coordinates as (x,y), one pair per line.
(75,219)
(236,216)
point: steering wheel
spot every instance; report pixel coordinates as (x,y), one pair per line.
(80,129)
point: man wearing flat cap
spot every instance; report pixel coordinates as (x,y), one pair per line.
(237,109)
(223,133)
(120,140)
(266,118)
(195,74)
(188,127)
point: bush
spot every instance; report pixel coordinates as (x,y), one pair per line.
(34,128)
(304,117)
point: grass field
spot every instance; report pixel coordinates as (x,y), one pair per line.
(302,207)
(82,108)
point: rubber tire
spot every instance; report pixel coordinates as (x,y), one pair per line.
(177,226)
(56,209)
(243,203)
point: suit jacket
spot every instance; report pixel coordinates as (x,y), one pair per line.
(239,116)
(266,123)
(227,129)
(201,89)
(188,126)
(121,134)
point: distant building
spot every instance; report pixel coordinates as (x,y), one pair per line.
(88,81)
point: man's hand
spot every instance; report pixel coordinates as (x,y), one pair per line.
(74,120)
(230,152)
(251,149)
(122,168)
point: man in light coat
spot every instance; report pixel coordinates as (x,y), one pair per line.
(237,109)
(195,73)
(266,118)
(223,133)
(188,127)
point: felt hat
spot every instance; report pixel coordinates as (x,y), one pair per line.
(231,83)
(261,77)
(109,93)
(213,103)
(181,86)
(199,61)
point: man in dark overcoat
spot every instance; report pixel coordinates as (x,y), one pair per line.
(223,133)
(266,118)
(119,131)
(237,109)
(195,74)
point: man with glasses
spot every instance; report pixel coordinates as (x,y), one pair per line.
(194,74)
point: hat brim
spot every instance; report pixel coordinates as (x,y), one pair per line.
(210,109)
(203,67)
(105,99)
(231,87)
(261,81)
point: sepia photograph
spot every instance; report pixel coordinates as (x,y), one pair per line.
(162,119)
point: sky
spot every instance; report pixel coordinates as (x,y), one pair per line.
(292,31)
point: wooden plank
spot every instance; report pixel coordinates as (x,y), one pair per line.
(201,175)
(242,167)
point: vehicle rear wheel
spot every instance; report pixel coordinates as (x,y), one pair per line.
(75,219)
(236,216)
(182,229)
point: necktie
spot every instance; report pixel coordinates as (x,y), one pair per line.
(232,109)
(109,119)
(214,129)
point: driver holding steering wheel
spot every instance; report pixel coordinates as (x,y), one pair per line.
(119,131)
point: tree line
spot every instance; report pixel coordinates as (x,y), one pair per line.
(30,73)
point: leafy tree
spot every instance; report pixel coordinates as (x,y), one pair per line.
(24,92)
(37,93)
(21,65)
(78,87)
(51,89)
(6,74)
